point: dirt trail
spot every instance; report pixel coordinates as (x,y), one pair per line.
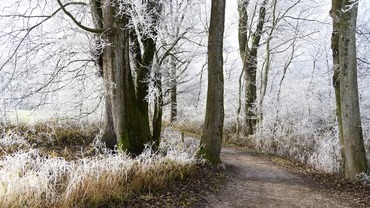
(257,182)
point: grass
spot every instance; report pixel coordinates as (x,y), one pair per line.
(33,176)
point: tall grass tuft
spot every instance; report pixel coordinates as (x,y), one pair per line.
(30,178)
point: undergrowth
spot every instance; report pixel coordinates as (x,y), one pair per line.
(57,139)
(32,177)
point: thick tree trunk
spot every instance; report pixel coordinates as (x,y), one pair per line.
(130,126)
(355,154)
(143,64)
(213,126)
(109,137)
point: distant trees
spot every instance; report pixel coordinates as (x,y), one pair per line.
(126,48)
(344,14)
(213,125)
(175,35)
(44,60)
(276,27)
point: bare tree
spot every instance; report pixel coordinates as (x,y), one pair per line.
(213,126)
(248,54)
(344,14)
(37,70)
(177,38)
(334,13)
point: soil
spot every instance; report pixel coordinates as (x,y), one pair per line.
(259,180)
(250,179)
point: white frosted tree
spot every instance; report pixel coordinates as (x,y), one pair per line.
(45,62)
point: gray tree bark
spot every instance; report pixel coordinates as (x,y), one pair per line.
(213,126)
(109,136)
(334,13)
(355,155)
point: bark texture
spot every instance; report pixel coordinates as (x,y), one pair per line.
(127,120)
(334,13)
(355,155)
(109,136)
(213,126)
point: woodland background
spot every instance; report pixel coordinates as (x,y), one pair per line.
(48,72)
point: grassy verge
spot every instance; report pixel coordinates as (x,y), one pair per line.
(33,176)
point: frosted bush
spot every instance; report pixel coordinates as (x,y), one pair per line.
(326,156)
(175,143)
(318,148)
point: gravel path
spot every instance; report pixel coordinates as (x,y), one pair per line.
(257,182)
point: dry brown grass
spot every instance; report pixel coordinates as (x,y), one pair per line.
(33,178)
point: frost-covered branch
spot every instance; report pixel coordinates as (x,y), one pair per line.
(29,30)
(349,6)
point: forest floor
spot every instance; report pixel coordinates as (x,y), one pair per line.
(246,178)
(259,180)
(251,179)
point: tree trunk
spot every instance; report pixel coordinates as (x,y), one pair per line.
(143,64)
(355,154)
(158,109)
(108,137)
(334,13)
(131,126)
(173,92)
(249,58)
(266,69)
(213,126)
(250,68)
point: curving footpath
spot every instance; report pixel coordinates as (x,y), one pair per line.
(257,182)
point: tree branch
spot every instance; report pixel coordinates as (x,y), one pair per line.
(29,30)
(88,29)
(363,61)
